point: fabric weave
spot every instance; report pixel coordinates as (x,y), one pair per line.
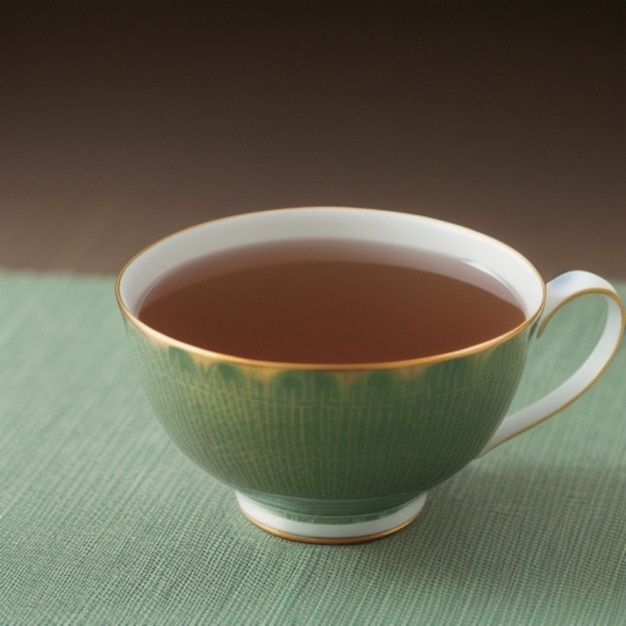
(104,521)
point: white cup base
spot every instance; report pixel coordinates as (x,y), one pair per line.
(311,532)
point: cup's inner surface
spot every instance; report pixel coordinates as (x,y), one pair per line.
(461,254)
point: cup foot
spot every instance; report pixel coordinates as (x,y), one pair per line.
(339,532)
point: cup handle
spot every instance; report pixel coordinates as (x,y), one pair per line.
(560,291)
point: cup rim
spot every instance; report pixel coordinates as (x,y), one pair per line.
(213,356)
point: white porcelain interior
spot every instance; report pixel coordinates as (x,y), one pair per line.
(401,229)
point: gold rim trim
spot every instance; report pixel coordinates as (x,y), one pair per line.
(209,355)
(331,540)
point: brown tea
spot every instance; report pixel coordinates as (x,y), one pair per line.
(321,301)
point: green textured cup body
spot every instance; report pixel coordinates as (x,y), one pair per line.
(323,442)
(330,452)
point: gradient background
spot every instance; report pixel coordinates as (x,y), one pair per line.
(123,121)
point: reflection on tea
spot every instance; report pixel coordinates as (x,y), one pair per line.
(330,302)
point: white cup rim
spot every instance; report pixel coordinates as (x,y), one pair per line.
(152,262)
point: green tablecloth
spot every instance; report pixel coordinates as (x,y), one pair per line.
(103,521)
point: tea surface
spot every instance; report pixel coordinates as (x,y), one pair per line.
(314,301)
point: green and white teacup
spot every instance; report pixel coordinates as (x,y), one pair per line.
(338,454)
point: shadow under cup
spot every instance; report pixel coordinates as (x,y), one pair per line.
(330,453)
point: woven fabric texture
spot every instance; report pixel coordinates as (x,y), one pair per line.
(104,521)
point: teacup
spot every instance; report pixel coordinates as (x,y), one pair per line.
(333,453)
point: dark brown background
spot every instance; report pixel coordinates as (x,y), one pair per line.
(122,122)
